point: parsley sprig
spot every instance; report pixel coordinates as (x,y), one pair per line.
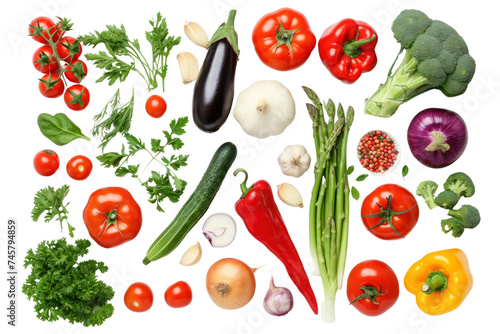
(51,202)
(119,45)
(63,287)
(158,185)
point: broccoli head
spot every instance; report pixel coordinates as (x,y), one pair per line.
(426,189)
(436,57)
(467,214)
(454,225)
(461,184)
(447,199)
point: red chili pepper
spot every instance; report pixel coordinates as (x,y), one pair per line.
(263,220)
(347,49)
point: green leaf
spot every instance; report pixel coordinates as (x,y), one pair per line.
(354,193)
(177,161)
(130,169)
(362,177)
(350,170)
(111,159)
(177,126)
(51,202)
(405,170)
(59,128)
(156,145)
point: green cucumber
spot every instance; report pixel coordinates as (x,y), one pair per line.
(196,206)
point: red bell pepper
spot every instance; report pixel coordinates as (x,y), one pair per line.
(347,49)
(263,220)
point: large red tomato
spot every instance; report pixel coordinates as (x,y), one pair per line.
(112,216)
(390,212)
(372,287)
(283,39)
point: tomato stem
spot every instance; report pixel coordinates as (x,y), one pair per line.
(387,214)
(111,219)
(284,37)
(369,292)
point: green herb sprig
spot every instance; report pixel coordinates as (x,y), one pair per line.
(158,185)
(119,46)
(51,202)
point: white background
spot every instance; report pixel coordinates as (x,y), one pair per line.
(21,103)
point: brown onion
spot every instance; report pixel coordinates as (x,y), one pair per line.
(230,283)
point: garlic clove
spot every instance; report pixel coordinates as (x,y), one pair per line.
(196,34)
(188,65)
(290,195)
(192,256)
(294,160)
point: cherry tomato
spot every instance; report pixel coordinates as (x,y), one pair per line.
(76,71)
(77,97)
(389,212)
(112,216)
(372,287)
(46,162)
(178,295)
(44,60)
(51,85)
(44,26)
(283,39)
(69,48)
(79,167)
(138,297)
(156,106)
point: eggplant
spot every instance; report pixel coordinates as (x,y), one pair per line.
(214,89)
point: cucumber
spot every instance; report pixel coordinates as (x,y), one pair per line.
(196,206)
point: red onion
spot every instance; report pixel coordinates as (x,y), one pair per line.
(437,137)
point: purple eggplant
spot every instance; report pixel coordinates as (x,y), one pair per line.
(214,88)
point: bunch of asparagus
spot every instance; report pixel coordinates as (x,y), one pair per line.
(329,208)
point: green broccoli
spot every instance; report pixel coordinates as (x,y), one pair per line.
(467,215)
(447,199)
(461,184)
(454,225)
(426,189)
(436,57)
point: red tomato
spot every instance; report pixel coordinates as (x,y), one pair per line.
(112,216)
(40,28)
(138,297)
(156,106)
(69,48)
(46,162)
(372,287)
(283,39)
(51,85)
(178,295)
(389,212)
(77,97)
(76,71)
(79,167)
(44,60)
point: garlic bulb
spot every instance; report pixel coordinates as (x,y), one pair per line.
(294,160)
(196,34)
(290,195)
(188,65)
(264,109)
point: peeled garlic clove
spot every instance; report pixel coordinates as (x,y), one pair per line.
(192,256)
(294,160)
(290,195)
(188,65)
(196,34)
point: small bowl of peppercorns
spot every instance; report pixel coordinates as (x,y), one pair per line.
(378,152)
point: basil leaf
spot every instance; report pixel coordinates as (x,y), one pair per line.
(405,170)
(350,170)
(361,177)
(59,128)
(354,193)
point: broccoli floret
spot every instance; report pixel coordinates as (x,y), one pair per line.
(467,215)
(461,184)
(426,189)
(447,199)
(436,57)
(454,225)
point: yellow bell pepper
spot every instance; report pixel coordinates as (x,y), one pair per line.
(440,281)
